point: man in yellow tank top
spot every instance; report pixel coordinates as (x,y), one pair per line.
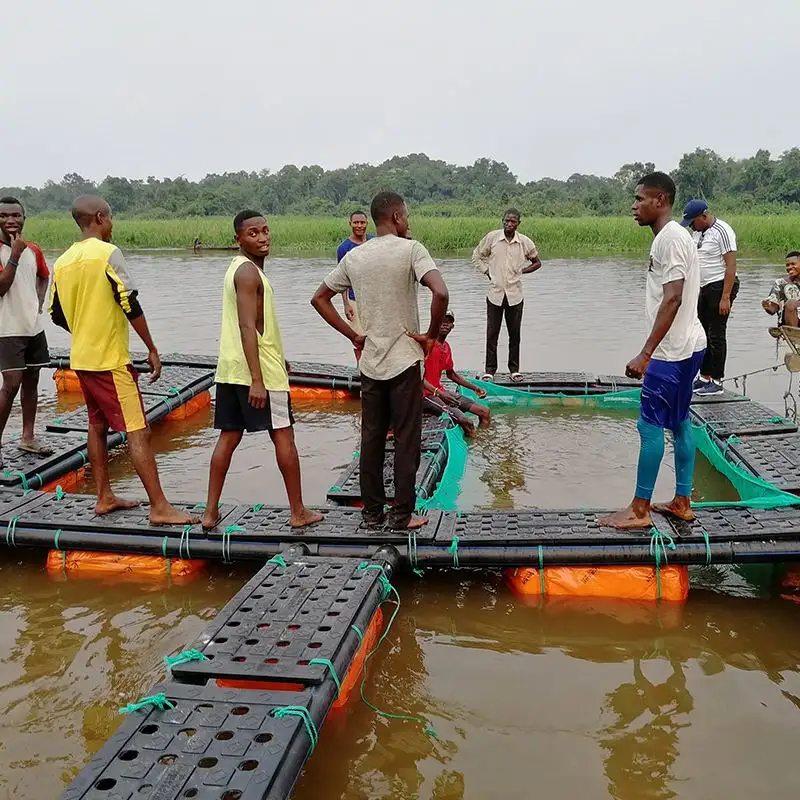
(252,378)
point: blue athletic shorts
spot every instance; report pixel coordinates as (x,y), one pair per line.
(667,391)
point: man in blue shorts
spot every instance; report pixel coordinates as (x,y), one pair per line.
(670,358)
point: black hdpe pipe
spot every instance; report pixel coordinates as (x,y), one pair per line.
(342,384)
(80,458)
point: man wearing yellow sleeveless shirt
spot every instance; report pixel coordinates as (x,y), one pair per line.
(252,379)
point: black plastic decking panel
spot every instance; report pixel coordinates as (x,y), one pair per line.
(548,379)
(185,360)
(433,432)
(12,502)
(774,458)
(215,743)
(339,524)
(77,421)
(738,523)
(348,485)
(283,619)
(15,460)
(617,383)
(727,396)
(314,370)
(76,512)
(175,378)
(742,418)
(567,527)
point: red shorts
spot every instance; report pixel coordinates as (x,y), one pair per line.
(113,398)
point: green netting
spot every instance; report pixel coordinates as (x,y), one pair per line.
(754,491)
(520,398)
(445,495)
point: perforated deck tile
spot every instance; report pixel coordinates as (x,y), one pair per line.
(563,527)
(738,524)
(16,461)
(77,421)
(175,379)
(774,458)
(727,396)
(740,419)
(284,618)
(433,432)
(185,360)
(618,383)
(76,512)
(215,743)
(348,485)
(340,523)
(13,501)
(313,370)
(550,379)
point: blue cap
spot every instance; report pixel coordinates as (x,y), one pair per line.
(692,210)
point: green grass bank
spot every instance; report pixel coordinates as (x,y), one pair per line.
(554,236)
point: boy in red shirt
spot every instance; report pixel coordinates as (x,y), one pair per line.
(436,399)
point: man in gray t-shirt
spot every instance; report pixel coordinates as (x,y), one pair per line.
(384,273)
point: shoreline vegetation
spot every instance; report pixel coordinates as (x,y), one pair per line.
(773,234)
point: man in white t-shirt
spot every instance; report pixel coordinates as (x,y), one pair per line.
(670,358)
(23,347)
(719,285)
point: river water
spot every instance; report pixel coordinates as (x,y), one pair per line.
(693,702)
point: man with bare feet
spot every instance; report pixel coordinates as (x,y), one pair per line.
(252,378)
(94,298)
(436,399)
(385,272)
(23,347)
(670,358)
(784,296)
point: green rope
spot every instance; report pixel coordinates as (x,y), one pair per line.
(55,539)
(302,712)
(226,541)
(185,534)
(659,542)
(326,663)
(11,532)
(82,454)
(708,548)
(278,560)
(359,633)
(59,493)
(184,658)
(384,581)
(541,571)
(18,474)
(257,507)
(38,477)
(158,701)
(164,547)
(732,439)
(454,550)
(412,551)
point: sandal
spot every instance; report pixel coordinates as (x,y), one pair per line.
(516,377)
(33,446)
(487,377)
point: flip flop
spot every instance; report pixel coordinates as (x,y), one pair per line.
(516,377)
(487,377)
(34,447)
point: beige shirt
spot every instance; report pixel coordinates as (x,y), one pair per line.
(384,273)
(503,262)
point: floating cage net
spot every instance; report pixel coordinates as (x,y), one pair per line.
(521,398)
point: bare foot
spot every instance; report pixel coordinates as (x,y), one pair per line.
(113,503)
(168,515)
(413,524)
(626,519)
(304,518)
(469,430)
(680,509)
(484,422)
(210,520)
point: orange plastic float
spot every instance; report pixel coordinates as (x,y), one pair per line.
(619,582)
(319,393)
(197,403)
(68,482)
(66,380)
(349,683)
(71,564)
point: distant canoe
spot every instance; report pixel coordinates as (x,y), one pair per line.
(213,249)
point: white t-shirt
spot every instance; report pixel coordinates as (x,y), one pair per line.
(712,245)
(673,256)
(19,306)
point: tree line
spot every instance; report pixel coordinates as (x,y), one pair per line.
(760,184)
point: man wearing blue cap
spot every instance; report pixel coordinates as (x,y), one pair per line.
(716,251)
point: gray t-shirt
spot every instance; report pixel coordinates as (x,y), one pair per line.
(384,273)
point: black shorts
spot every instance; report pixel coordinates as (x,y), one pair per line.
(232,411)
(23,352)
(435,405)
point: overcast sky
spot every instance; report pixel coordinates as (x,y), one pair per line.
(171,87)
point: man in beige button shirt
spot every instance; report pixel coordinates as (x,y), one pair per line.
(504,256)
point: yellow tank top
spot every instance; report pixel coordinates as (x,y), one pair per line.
(232,365)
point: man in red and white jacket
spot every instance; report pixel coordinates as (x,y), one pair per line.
(23,347)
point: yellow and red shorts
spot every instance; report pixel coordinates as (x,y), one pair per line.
(113,398)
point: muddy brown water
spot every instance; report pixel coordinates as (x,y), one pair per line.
(593,701)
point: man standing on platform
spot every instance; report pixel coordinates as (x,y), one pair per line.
(94,298)
(670,357)
(23,347)
(719,285)
(384,273)
(358,235)
(504,256)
